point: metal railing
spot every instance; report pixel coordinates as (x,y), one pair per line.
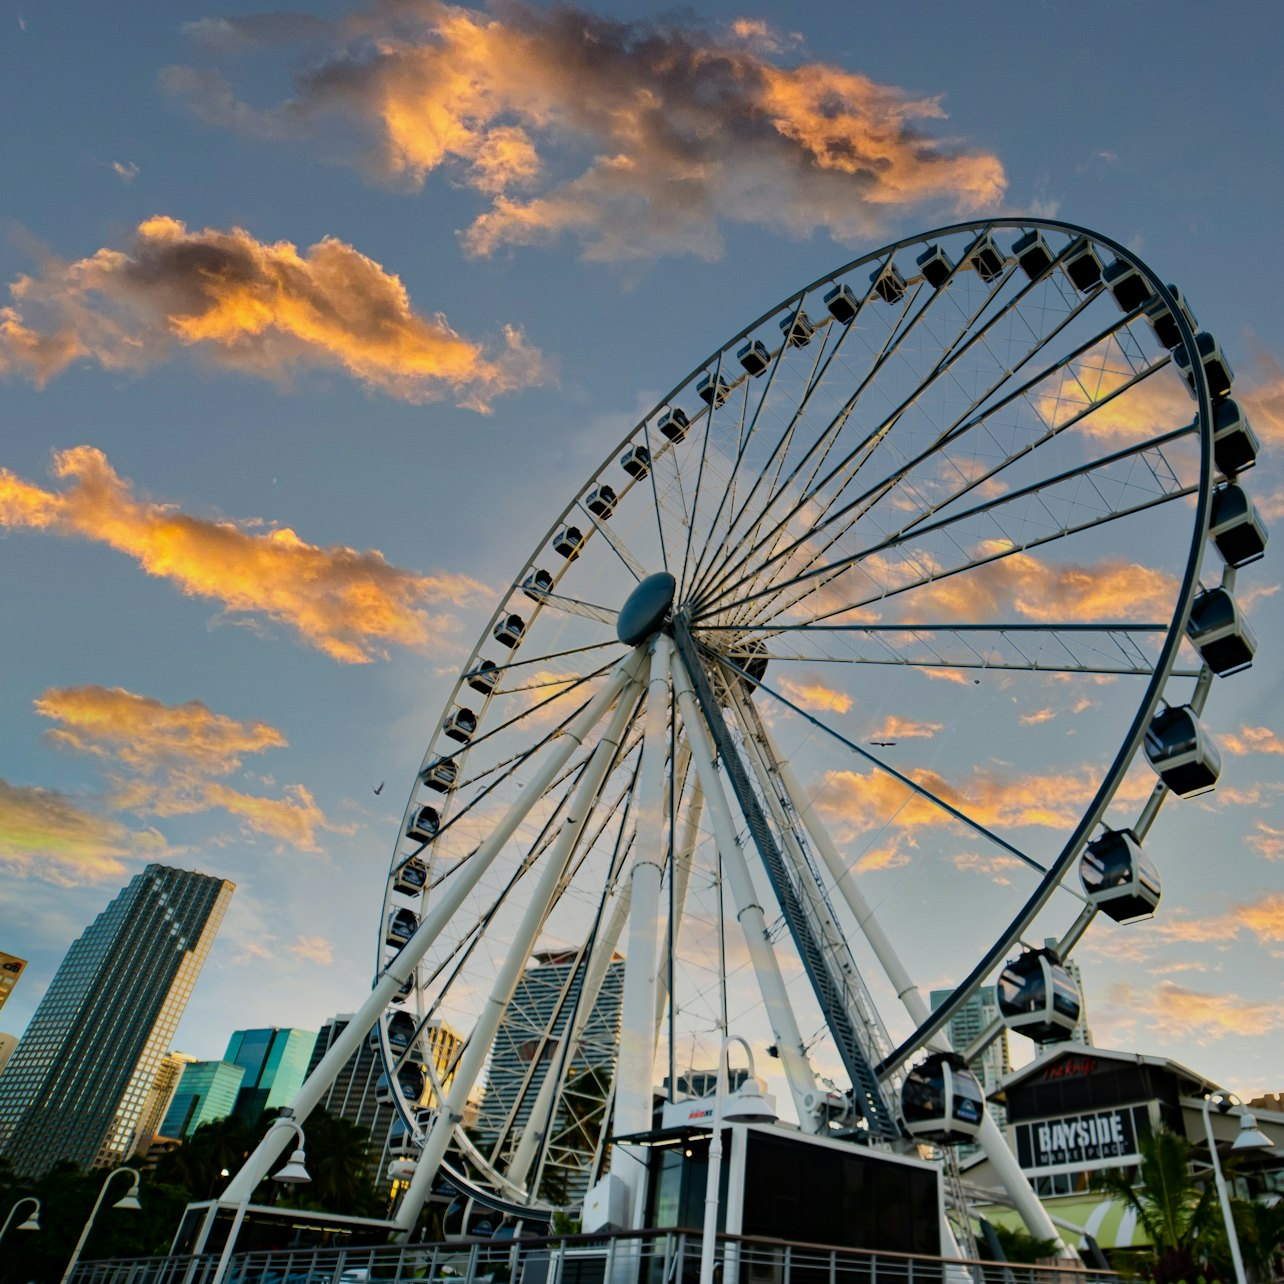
(640,1257)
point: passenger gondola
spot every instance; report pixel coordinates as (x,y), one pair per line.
(673,424)
(1217,369)
(712,389)
(508,632)
(888,283)
(1235,444)
(600,501)
(483,677)
(843,304)
(942,1101)
(1162,321)
(1220,633)
(537,585)
(754,357)
(410,1079)
(568,542)
(412,875)
(797,328)
(1118,877)
(935,265)
(440,774)
(401,927)
(461,725)
(1127,286)
(636,461)
(986,260)
(1236,527)
(1182,752)
(1038,997)
(1032,253)
(1083,266)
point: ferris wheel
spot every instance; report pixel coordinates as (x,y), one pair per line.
(863,662)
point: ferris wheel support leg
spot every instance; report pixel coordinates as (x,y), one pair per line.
(456,890)
(749,912)
(681,876)
(1026,1202)
(483,1033)
(635,1065)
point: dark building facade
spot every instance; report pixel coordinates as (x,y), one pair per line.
(275,1061)
(76,1085)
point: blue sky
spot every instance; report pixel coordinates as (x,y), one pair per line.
(493,310)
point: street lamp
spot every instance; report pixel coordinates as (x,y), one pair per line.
(750,1106)
(128,1201)
(32,1222)
(293,1173)
(1249,1138)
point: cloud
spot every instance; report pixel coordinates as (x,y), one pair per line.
(126,171)
(44,834)
(348,604)
(1173,1009)
(1037,717)
(314,949)
(686,129)
(1262,396)
(813,694)
(1252,740)
(261,308)
(1263,917)
(168,760)
(1266,840)
(894,728)
(995,866)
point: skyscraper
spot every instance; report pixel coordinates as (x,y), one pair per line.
(76,1086)
(206,1092)
(274,1062)
(155,1108)
(546,996)
(11,968)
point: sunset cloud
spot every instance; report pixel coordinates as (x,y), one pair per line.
(349,604)
(44,834)
(1252,740)
(894,728)
(1173,1009)
(686,128)
(1267,840)
(1263,917)
(1262,396)
(812,694)
(314,949)
(261,308)
(168,760)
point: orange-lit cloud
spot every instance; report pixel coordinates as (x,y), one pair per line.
(686,128)
(996,866)
(349,604)
(894,728)
(1036,717)
(44,834)
(1263,917)
(1174,1009)
(1252,740)
(812,694)
(169,760)
(1267,840)
(1262,396)
(262,308)
(314,949)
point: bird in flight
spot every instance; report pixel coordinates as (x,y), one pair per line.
(379,788)
(883,744)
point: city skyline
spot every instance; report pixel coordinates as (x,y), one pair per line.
(253,533)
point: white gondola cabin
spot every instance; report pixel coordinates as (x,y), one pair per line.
(401,927)
(409,1078)
(1217,369)
(935,265)
(1181,751)
(673,424)
(461,725)
(508,632)
(712,389)
(440,774)
(1235,444)
(888,283)
(422,826)
(1083,266)
(985,260)
(401,1031)
(754,357)
(483,677)
(1236,527)
(537,585)
(1118,877)
(1038,997)
(600,501)
(1161,319)
(404,990)
(842,304)
(1032,253)
(1220,633)
(568,541)
(1127,286)
(942,1101)
(797,328)
(636,461)
(411,876)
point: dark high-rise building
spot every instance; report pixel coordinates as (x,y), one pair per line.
(77,1084)
(275,1062)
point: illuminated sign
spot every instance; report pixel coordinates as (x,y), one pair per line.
(1081,1139)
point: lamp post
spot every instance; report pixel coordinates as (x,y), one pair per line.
(32,1222)
(1250,1138)
(128,1201)
(293,1173)
(753,1109)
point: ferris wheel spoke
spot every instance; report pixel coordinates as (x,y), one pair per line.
(588,610)
(863,503)
(1043,491)
(618,547)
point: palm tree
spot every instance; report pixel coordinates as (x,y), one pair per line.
(1178,1213)
(1260,1228)
(338,1159)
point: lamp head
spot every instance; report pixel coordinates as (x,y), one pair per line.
(130,1200)
(749,1104)
(1250,1136)
(1222,1102)
(294,1172)
(32,1223)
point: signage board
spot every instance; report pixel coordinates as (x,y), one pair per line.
(1080,1139)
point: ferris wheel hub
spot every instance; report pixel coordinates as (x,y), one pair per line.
(646,608)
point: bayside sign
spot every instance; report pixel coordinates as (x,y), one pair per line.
(1080,1139)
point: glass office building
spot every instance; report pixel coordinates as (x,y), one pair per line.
(206,1092)
(275,1062)
(78,1082)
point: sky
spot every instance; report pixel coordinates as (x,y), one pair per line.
(314,320)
